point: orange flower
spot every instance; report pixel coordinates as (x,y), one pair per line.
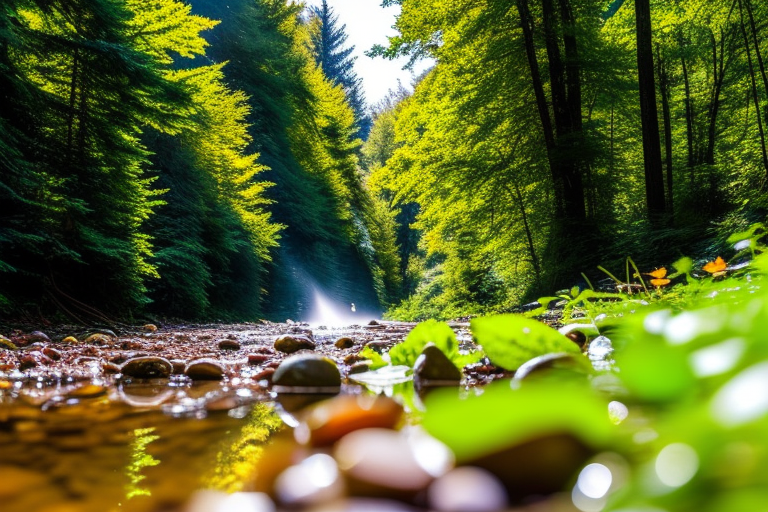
(716,267)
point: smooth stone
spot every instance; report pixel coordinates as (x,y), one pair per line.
(307,373)
(204,369)
(7,344)
(315,479)
(147,367)
(39,336)
(538,467)
(467,489)
(229,345)
(433,368)
(70,339)
(329,421)
(561,364)
(257,359)
(97,339)
(360,367)
(384,463)
(149,328)
(345,343)
(290,344)
(179,365)
(52,353)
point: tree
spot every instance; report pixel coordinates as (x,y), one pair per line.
(336,60)
(654,174)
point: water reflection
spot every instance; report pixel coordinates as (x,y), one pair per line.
(97,453)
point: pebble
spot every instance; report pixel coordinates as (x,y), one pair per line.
(229,344)
(467,489)
(97,339)
(329,421)
(52,353)
(149,328)
(204,369)
(378,346)
(110,368)
(178,366)
(345,343)
(315,479)
(70,339)
(360,367)
(433,368)
(7,344)
(307,373)
(256,359)
(556,363)
(290,344)
(147,367)
(384,463)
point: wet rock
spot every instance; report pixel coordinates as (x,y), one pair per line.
(52,353)
(97,339)
(264,350)
(315,479)
(538,467)
(204,369)
(28,361)
(257,359)
(557,364)
(345,342)
(110,368)
(265,374)
(433,368)
(352,359)
(149,328)
(360,367)
(373,322)
(148,367)
(332,419)
(378,346)
(38,336)
(307,373)
(70,340)
(229,344)
(467,489)
(385,463)
(7,344)
(179,365)
(578,337)
(290,344)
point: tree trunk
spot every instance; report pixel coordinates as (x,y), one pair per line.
(667,118)
(528,233)
(718,70)
(689,121)
(654,176)
(759,55)
(753,82)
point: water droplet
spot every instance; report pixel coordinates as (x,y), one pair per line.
(600,348)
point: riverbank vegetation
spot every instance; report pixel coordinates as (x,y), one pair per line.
(203,161)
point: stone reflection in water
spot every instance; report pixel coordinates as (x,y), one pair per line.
(86,448)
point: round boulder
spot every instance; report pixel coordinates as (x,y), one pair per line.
(147,367)
(204,369)
(290,344)
(307,373)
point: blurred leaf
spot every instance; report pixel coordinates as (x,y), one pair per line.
(511,340)
(655,372)
(374,357)
(502,417)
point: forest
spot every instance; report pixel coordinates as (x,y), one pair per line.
(208,161)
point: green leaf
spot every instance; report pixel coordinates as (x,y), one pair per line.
(431,331)
(682,266)
(655,372)
(502,417)
(374,357)
(511,340)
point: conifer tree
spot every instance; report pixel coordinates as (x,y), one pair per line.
(336,60)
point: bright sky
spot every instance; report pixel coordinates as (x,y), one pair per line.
(367,24)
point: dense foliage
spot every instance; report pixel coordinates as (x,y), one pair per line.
(137,178)
(523,150)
